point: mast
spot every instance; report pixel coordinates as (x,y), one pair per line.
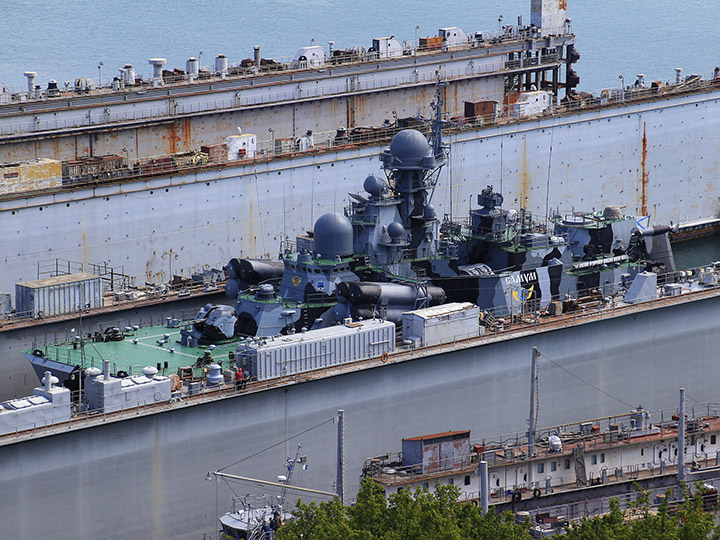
(290,468)
(533,401)
(340,482)
(681,438)
(437,105)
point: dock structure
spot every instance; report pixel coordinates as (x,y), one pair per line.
(176,113)
(145,462)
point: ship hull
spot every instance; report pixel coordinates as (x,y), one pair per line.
(659,158)
(144,477)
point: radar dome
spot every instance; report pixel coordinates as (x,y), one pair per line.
(395,230)
(409,144)
(374,185)
(429,212)
(612,212)
(333,236)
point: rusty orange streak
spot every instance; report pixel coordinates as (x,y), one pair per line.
(644,176)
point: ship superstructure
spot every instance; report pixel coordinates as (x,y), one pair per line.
(390,253)
(581,462)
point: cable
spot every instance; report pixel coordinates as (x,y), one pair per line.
(586,382)
(277,444)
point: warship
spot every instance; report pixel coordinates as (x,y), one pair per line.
(154,408)
(390,254)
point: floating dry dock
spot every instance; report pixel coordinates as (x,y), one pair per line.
(133,455)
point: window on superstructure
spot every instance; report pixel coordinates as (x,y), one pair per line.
(451,482)
(567,463)
(553,466)
(426,486)
(467,480)
(602,457)
(593,459)
(642,451)
(540,468)
(712,439)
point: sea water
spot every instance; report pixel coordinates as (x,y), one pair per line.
(66,39)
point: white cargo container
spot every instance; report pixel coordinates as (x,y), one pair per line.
(111,394)
(58,295)
(441,324)
(531,103)
(268,358)
(453,36)
(242,146)
(5,305)
(309,57)
(387,47)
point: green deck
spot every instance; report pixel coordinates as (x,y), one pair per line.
(128,356)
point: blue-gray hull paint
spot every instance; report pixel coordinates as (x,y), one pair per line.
(594,158)
(144,477)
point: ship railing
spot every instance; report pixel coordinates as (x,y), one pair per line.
(250,97)
(240,70)
(591,305)
(492,450)
(598,506)
(387,470)
(73,308)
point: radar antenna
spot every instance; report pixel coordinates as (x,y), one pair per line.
(437,105)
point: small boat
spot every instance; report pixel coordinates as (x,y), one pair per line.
(260,522)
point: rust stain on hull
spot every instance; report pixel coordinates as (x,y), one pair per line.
(643,175)
(187,140)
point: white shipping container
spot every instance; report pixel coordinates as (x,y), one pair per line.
(317,349)
(58,295)
(442,324)
(5,305)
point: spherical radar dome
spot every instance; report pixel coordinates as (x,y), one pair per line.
(410,144)
(333,236)
(395,230)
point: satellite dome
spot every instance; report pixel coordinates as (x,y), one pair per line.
(395,230)
(333,236)
(149,371)
(409,144)
(429,212)
(612,212)
(374,185)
